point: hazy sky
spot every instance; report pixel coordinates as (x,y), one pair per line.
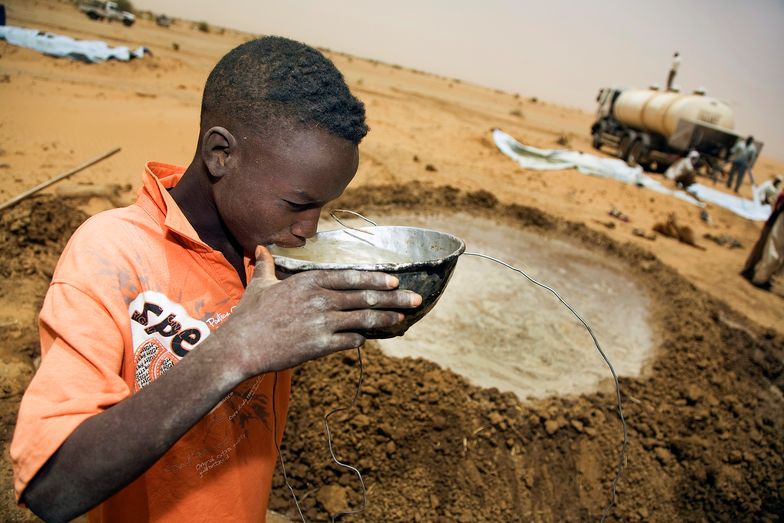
(557,50)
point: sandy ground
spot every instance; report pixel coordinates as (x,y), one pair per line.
(59,113)
(696,453)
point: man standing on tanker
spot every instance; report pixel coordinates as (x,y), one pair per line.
(163,386)
(676,63)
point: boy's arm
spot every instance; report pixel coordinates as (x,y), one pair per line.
(304,317)
(92,463)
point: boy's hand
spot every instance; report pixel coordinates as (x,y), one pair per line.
(280,324)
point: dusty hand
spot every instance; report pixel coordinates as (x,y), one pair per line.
(280,324)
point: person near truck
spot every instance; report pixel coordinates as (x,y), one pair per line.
(676,63)
(767,256)
(742,157)
(769,190)
(684,171)
(167,340)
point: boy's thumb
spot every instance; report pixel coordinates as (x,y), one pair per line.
(265,266)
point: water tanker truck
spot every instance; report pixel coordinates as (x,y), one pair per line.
(655,128)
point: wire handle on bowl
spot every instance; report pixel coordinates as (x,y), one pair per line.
(371,222)
(374,224)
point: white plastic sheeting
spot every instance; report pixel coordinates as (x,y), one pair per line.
(92,51)
(554,159)
(750,209)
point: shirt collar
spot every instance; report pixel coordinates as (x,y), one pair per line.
(158,178)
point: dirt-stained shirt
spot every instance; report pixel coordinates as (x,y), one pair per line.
(135,291)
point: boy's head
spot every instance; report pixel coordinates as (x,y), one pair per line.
(273,85)
(278,140)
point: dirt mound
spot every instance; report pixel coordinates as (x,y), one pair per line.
(705,421)
(32,235)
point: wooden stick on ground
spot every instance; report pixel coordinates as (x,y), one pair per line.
(50,181)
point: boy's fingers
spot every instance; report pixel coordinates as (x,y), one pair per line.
(346,340)
(373,299)
(368,319)
(351,279)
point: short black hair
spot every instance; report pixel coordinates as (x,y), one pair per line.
(271,83)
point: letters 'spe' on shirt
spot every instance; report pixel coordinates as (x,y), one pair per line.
(134,291)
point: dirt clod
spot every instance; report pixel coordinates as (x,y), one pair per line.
(671,229)
(333,498)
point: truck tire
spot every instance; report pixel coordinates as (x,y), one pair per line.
(93,16)
(596,139)
(638,154)
(623,146)
(127,22)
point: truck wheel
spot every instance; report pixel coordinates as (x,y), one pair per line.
(596,139)
(93,16)
(127,23)
(623,146)
(638,154)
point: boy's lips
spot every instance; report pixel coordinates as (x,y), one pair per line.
(290,245)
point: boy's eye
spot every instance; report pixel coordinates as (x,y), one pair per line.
(294,206)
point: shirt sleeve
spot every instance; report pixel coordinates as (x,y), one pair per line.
(79,376)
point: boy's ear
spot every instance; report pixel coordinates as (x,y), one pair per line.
(219,151)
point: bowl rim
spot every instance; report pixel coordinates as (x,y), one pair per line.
(295,264)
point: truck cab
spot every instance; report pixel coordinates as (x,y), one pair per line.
(605,100)
(605,130)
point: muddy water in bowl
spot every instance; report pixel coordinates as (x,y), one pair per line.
(422,259)
(338,251)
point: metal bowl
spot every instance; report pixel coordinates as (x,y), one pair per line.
(432,256)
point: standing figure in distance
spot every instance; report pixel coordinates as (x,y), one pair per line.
(741,156)
(676,63)
(767,256)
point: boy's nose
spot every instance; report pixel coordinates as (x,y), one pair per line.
(307,225)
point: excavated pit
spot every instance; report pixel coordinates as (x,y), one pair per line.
(705,418)
(497,329)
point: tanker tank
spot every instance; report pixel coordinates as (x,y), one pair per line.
(659,112)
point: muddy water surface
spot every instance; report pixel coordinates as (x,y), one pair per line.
(499,330)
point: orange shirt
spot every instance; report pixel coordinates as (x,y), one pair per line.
(134,291)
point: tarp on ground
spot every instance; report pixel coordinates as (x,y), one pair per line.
(537,159)
(91,51)
(750,209)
